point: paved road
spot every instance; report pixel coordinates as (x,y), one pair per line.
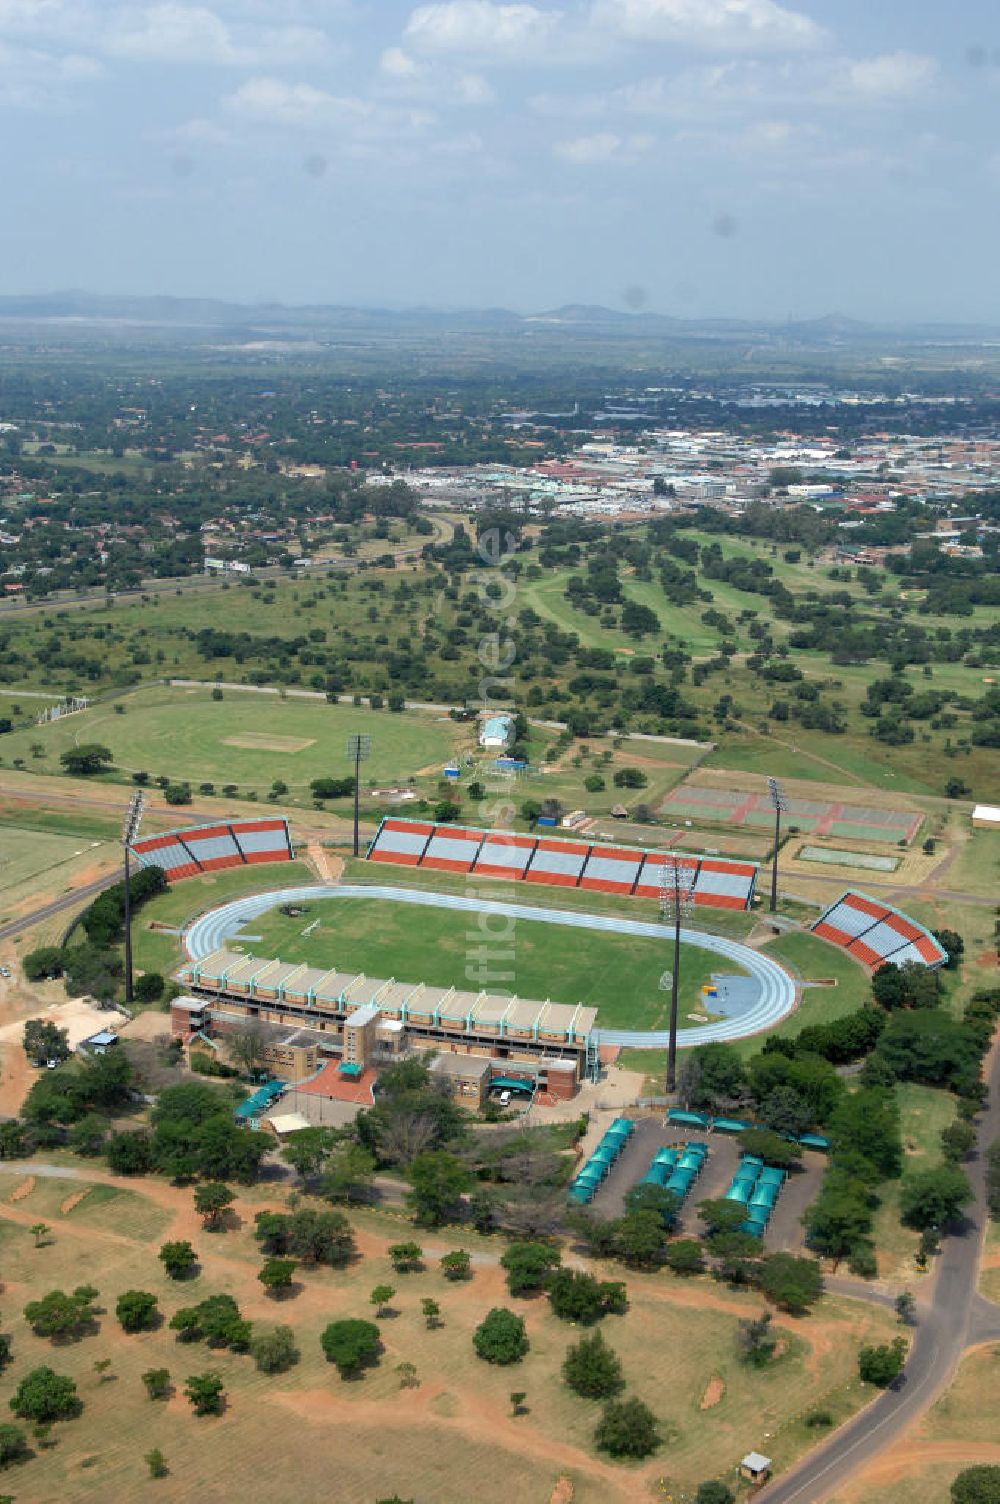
(953,1319)
(776,996)
(58,905)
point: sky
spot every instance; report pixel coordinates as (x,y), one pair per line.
(701,158)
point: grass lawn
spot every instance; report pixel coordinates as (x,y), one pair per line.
(27,853)
(923,1112)
(618,974)
(246,739)
(182,903)
(425,1442)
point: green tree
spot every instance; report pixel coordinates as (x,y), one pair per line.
(313,1237)
(59,1315)
(211,1200)
(456,1265)
(137,1311)
(684,1256)
(157,1382)
(627,1429)
(43,964)
(44,1040)
(150,987)
(755,1341)
(638,1239)
(438,1182)
(976,1485)
(206,1392)
(13,1444)
(178,1259)
(882,1364)
(157,1463)
(592,1368)
(906,1307)
(577,1296)
(86,760)
(933,1198)
(348,1174)
(351,1345)
(406,1257)
(308,1150)
(500,1337)
(381,1298)
(44,1396)
(794,1284)
(431,1312)
(276,1275)
(273,1349)
(87,1136)
(529,1266)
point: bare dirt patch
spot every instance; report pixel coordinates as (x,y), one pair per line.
(563,1492)
(713,1394)
(255,741)
(74,1200)
(24,1189)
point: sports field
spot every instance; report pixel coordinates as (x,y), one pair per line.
(617,974)
(245,739)
(819,817)
(278,1436)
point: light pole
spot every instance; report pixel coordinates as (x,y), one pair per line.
(359,748)
(676,900)
(779,803)
(130,829)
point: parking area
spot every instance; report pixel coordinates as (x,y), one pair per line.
(785,1231)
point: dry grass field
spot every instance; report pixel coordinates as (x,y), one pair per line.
(308,1434)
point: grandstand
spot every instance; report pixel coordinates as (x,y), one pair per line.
(210,848)
(876,933)
(556,862)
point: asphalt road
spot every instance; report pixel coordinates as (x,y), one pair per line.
(58,905)
(952,1319)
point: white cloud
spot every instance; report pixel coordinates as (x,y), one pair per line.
(395,63)
(173,33)
(602,146)
(479,28)
(273,101)
(32,79)
(472,88)
(722,25)
(893,75)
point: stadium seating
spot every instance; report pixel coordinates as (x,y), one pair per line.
(561,863)
(876,933)
(210,848)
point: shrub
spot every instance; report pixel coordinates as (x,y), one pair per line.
(13,1444)
(977,1485)
(685,1256)
(592,1369)
(44,1396)
(137,1310)
(881,1365)
(500,1337)
(157,1382)
(352,1345)
(576,1296)
(529,1266)
(627,1429)
(178,1259)
(274,1350)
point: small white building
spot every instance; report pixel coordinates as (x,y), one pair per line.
(497,732)
(986,817)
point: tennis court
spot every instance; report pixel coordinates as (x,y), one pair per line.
(855,822)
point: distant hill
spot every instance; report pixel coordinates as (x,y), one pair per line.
(572,319)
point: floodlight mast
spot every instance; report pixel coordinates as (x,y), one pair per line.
(676,896)
(779,804)
(359,748)
(130,829)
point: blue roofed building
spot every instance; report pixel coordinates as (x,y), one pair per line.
(497,732)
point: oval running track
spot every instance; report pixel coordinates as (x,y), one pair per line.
(775,1000)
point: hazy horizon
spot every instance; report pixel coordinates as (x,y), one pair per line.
(698,158)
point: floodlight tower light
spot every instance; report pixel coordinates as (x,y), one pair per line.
(130,829)
(359,748)
(779,804)
(676,900)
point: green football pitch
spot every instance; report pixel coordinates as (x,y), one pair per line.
(618,974)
